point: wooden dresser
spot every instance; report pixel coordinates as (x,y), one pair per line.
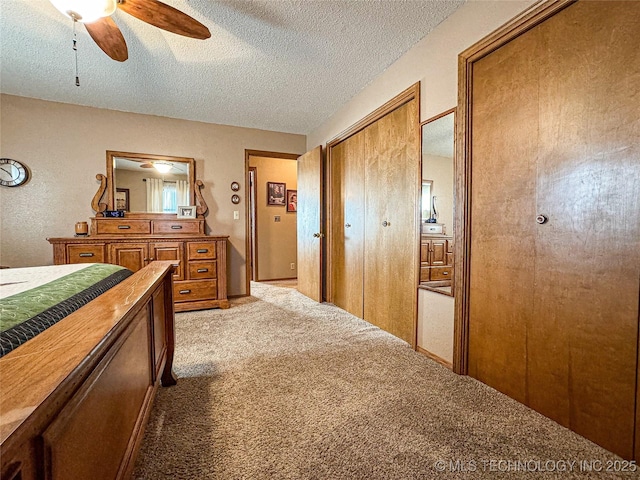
(436,258)
(200,280)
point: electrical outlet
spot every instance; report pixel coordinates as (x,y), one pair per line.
(293,266)
(236,215)
(276,218)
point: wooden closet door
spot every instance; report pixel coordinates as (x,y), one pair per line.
(347,224)
(554,305)
(504,140)
(584,328)
(391,252)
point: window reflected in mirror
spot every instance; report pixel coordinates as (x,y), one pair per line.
(437,203)
(151,185)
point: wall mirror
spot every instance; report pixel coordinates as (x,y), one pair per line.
(437,203)
(145,183)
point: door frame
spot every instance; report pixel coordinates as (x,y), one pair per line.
(534,15)
(411,93)
(247,234)
(252,193)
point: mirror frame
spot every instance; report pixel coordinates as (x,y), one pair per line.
(454,186)
(111,186)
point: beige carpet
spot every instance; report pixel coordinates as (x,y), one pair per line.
(279,387)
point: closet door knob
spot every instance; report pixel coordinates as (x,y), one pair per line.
(318,235)
(347,225)
(542,219)
(386,224)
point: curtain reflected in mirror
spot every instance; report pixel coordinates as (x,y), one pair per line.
(437,203)
(152,187)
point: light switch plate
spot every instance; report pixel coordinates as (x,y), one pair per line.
(276,218)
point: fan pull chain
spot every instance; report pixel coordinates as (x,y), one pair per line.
(75,49)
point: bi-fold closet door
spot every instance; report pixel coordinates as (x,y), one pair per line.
(374,179)
(554,249)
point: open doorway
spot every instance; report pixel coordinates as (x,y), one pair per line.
(271,246)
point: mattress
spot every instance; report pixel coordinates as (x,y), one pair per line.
(35,298)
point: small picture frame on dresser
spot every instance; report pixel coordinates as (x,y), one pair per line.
(187,211)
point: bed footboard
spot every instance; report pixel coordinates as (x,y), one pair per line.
(75,399)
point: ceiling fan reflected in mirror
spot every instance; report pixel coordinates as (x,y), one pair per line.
(96,16)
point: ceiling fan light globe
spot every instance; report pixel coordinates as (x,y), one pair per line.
(163,167)
(86,11)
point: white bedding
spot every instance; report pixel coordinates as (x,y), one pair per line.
(18,280)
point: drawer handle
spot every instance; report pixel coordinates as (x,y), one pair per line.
(86,255)
(176,227)
(124,227)
(202,250)
(203,270)
(184,292)
(445,273)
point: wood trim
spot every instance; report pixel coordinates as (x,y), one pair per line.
(262,153)
(411,93)
(327,221)
(149,156)
(252,271)
(534,15)
(247,239)
(435,117)
(435,290)
(95,202)
(435,358)
(277,279)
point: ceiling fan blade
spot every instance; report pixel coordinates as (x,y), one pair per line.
(109,38)
(165,17)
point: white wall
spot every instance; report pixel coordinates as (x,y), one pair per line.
(65,147)
(440,171)
(434,62)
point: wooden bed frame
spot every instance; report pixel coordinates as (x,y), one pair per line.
(74,400)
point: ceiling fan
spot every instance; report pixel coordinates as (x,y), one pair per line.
(96,16)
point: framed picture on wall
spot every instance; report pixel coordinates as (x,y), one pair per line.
(122,199)
(276,193)
(292,201)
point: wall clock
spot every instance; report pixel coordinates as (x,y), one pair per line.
(13,173)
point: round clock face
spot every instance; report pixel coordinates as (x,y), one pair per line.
(12,173)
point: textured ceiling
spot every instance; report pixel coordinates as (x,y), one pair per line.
(283,65)
(438,137)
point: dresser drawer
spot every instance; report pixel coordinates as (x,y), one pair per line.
(195,290)
(441,273)
(123,226)
(86,253)
(201,250)
(200,270)
(176,226)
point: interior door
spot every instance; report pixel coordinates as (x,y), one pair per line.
(309,225)
(347,224)
(555,230)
